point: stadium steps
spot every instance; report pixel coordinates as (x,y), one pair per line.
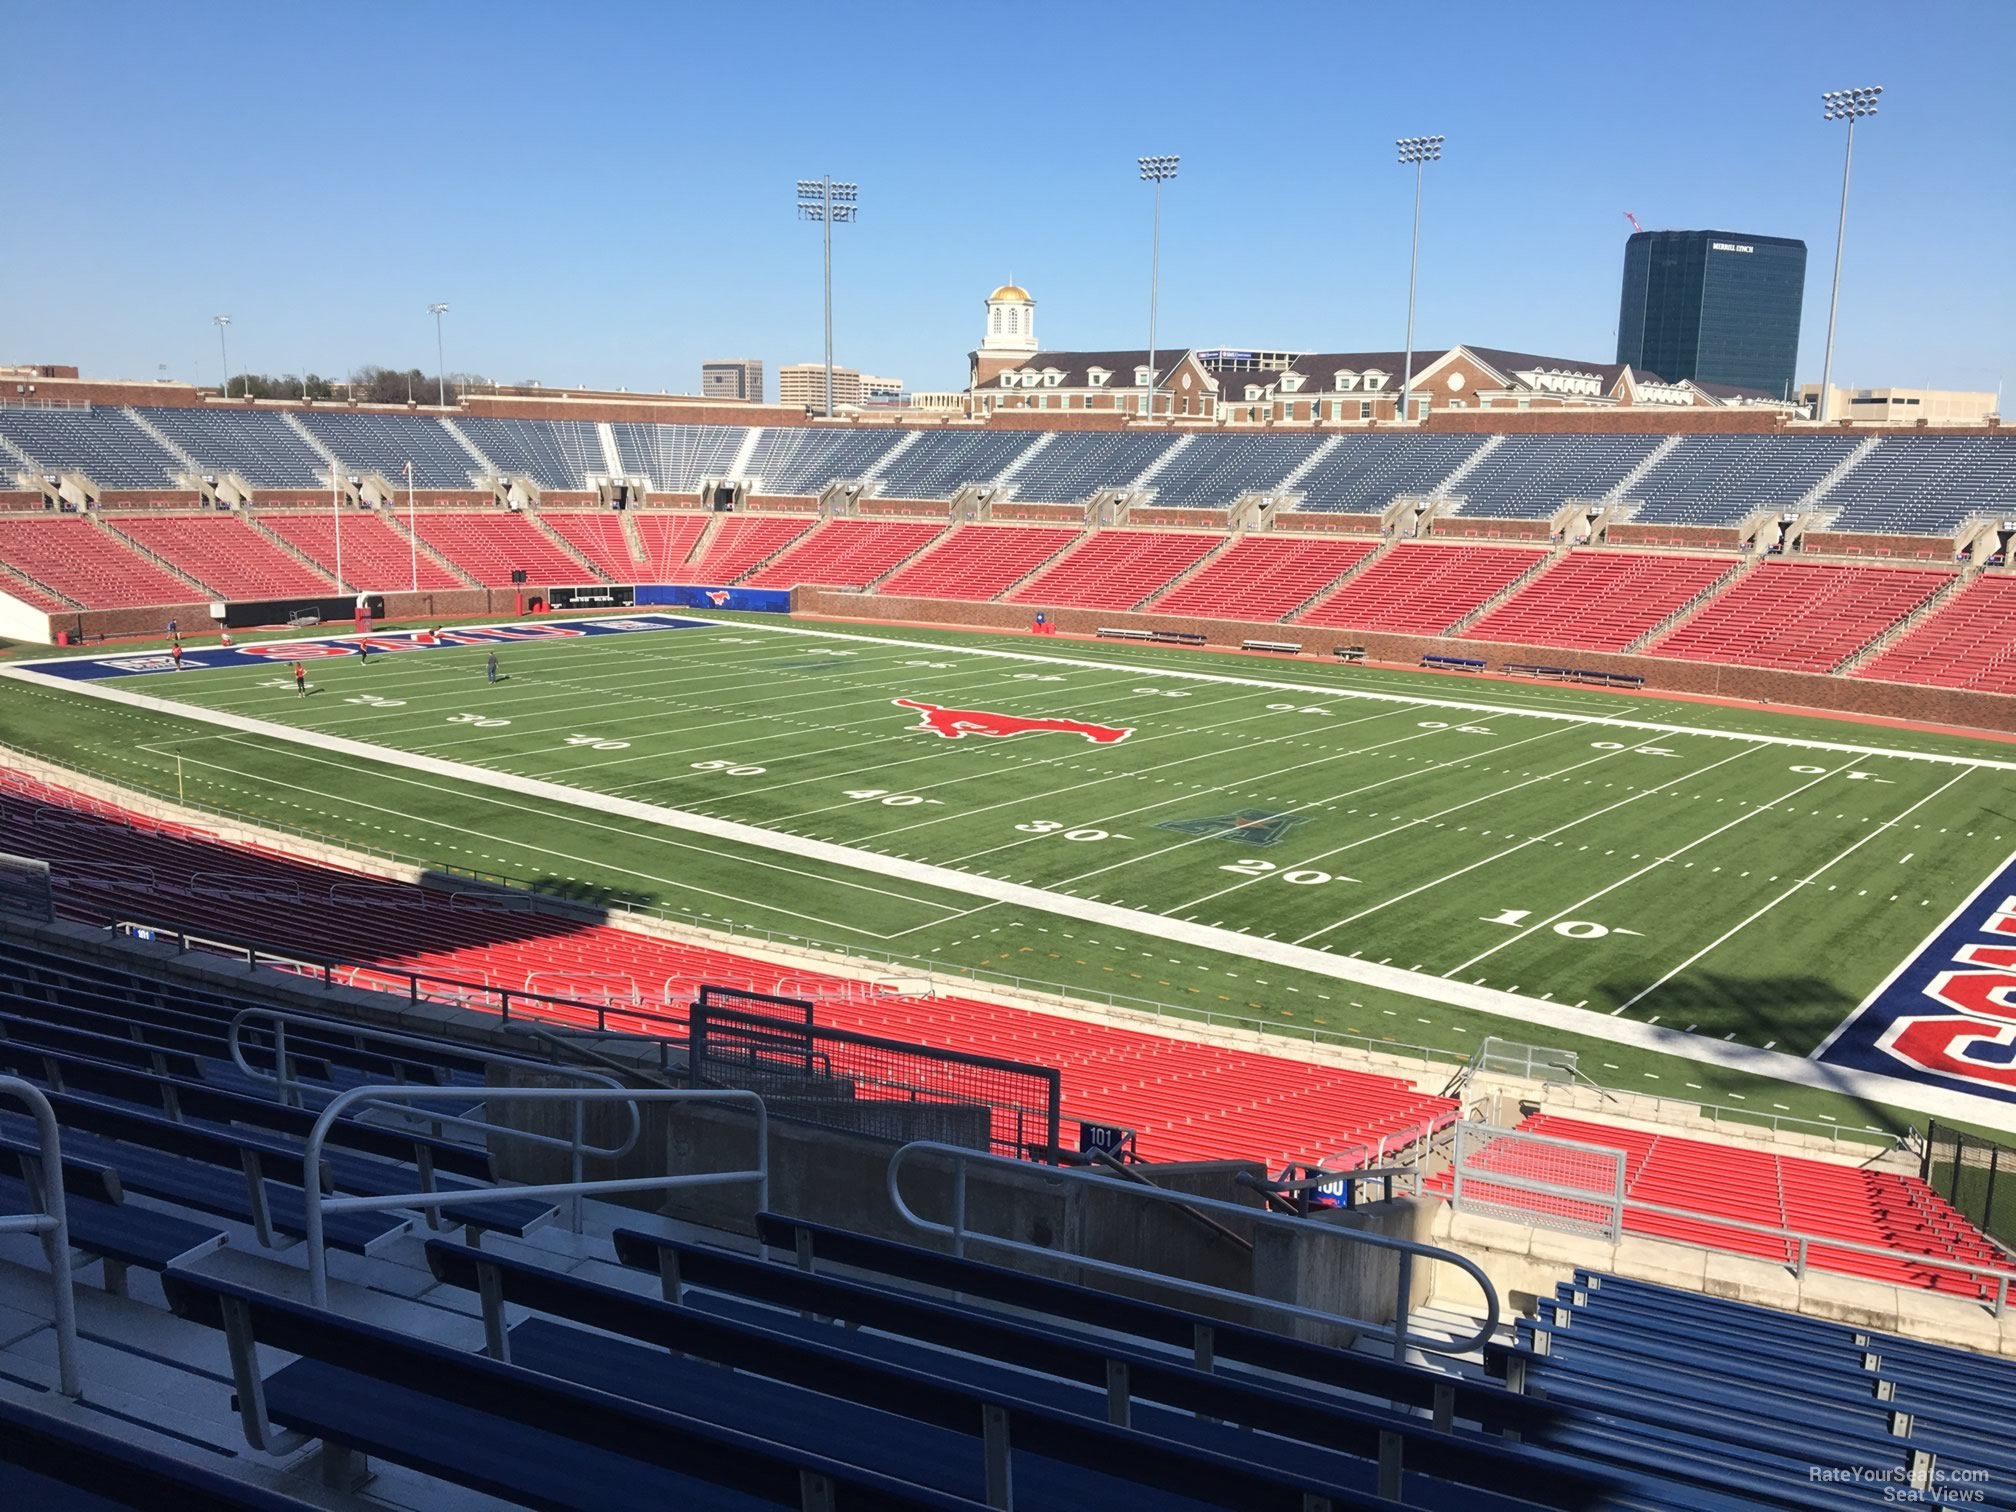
(1147,476)
(1446,488)
(1696,604)
(1290,484)
(314,443)
(154,433)
(1503,594)
(1620,491)
(1007,476)
(1196,567)
(1970,644)
(1933,605)
(973,563)
(15,581)
(267,533)
(633,538)
(490,469)
(1055,559)
(566,547)
(1803,617)
(438,558)
(229,556)
(99,522)
(1813,498)
(1263,576)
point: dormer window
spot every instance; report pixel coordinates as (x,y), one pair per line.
(1096,377)
(1143,376)
(1375,380)
(1346,380)
(1051,377)
(1291,383)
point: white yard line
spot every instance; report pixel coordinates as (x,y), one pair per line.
(1608,721)
(1793,1069)
(1805,881)
(1651,866)
(1515,849)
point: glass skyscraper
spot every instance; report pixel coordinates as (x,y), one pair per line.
(1716,306)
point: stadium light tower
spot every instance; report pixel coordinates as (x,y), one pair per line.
(1419,151)
(1848,105)
(440,362)
(224,350)
(1157,171)
(824,201)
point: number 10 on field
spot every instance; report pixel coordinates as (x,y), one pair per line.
(1568,929)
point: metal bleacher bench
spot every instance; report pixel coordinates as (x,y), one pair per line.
(1349,653)
(1290,648)
(1456,663)
(1115,1369)
(528,1438)
(50,1464)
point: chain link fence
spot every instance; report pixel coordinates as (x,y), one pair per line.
(1977,1176)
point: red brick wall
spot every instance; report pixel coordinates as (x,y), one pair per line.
(150,498)
(1694,537)
(1848,543)
(1949,706)
(1316,522)
(925,509)
(1046,514)
(784,503)
(1182,519)
(1456,527)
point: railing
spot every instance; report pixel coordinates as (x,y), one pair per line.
(52,1224)
(420,986)
(1296,1193)
(282,1080)
(575,1189)
(1801,1244)
(1398,1334)
(1778,1123)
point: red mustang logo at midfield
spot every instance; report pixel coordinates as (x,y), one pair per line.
(957,724)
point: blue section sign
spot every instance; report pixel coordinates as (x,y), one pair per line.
(1948,1018)
(271,653)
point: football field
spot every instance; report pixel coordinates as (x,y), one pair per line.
(1321,846)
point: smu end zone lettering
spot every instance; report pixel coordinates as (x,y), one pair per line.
(1949,1017)
(957,724)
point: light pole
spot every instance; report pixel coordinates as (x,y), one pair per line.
(440,362)
(1420,151)
(223,350)
(824,201)
(1157,171)
(1848,105)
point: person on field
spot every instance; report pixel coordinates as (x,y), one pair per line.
(490,667)
(300,680)
(176,652)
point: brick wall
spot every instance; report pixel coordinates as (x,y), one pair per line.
(1947,706)
(1694,537)
(920,509)
(1317,522)
(778,503)
(1044,514)
(1455,527)
(1851,544)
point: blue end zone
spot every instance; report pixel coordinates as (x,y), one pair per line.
(700,596)
(280,653)
(1948,1017)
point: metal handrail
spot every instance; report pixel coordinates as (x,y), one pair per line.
(569,1045)
(1803,1242)
(1398,1334)
(282,1018)
(256,955)
(53,1225)
(575,1189)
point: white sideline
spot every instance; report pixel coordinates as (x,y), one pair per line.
(1585,1022)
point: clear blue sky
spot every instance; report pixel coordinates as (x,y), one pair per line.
(603,192)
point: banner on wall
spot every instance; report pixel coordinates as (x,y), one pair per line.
(698,596)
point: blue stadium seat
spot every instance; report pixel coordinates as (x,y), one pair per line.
(801,459)
(553,453)
(259,445)
(1719,480)
(1076,464)
(1365,473)
(55,1464)
(1529,477)
(1216,468)
(104,444)
(1927,485)
(384,444)
(942,462)
(676,457)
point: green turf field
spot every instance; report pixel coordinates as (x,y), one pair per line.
(1740,874)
